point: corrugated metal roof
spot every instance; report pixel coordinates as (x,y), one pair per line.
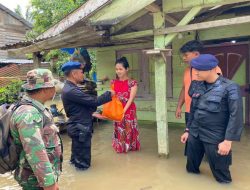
(82,36)
(22,43)
(25,22)
(18,61)
(66,33)
(72,18)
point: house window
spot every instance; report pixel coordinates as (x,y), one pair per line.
(142,70)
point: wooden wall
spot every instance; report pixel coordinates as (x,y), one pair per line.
(11,31)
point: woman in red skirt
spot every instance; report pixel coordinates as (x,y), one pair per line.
(126,134)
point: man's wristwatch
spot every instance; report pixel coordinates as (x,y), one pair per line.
(186,130)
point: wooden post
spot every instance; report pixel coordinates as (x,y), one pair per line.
(247,109)
(36,60)
(160,89)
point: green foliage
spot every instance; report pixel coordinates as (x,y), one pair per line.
(92,54)
(48,12)
(29,56)
(18,10)
(27,16)
(59,58)
(59,63)
(9,93)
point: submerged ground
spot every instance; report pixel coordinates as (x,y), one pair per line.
(144,170)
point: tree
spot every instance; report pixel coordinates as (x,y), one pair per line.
(18,10)
(27,16)
(45,14)
(48,12)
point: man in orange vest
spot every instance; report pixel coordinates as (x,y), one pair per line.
(189,51)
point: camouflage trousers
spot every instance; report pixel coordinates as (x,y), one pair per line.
(31,188)
(26,179)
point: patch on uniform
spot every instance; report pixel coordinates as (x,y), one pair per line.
(233,92)
(196,95)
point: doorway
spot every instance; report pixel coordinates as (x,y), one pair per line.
(234,63)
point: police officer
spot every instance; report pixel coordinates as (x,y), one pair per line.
(79,107)
(35,133)
(216,119)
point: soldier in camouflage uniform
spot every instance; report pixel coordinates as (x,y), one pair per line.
(33,130)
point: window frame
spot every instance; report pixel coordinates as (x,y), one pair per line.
(144,73)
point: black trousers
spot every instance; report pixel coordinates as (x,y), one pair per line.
(81,150)
(219,165)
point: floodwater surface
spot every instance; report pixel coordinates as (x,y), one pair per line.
(144,170)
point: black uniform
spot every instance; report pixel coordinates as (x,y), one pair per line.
(79,107)
(216,115)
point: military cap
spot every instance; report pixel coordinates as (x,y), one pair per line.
(71,65)
(204,62)
(39,78)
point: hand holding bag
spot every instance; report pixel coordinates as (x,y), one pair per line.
(113,110)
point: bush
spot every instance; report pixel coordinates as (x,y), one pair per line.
(10,93)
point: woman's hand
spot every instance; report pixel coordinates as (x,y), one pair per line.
(124,112)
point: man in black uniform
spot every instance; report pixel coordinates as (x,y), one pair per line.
(79,107)
(216,119)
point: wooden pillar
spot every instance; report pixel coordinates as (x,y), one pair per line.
(160,89)
(36,60)
(247,107)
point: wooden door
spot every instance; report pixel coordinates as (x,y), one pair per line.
(231,58)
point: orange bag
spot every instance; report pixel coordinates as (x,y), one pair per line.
(113,110)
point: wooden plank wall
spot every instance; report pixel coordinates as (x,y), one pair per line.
(11,31)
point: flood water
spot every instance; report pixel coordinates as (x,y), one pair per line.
(144,170)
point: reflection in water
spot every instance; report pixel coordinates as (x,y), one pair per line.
(144,170)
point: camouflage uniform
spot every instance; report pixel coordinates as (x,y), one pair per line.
(34,131)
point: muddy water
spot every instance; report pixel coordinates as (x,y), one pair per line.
(144,170)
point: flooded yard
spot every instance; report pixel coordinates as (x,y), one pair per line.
(144,170)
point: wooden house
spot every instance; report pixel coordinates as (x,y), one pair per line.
(13,29)
(149,33)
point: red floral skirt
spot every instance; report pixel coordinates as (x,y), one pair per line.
(126,135)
